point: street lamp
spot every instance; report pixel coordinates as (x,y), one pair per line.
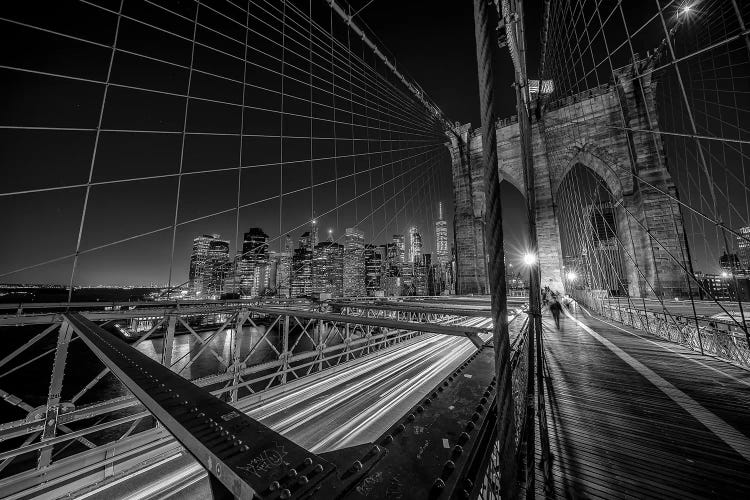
(529,259)
(724,274)
(572,276)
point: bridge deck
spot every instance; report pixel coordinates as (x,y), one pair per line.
(631,416)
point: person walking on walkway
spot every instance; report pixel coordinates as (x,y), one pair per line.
(555,307)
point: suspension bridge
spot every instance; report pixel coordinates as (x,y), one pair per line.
(414,350)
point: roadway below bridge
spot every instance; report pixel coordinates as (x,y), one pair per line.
(350,407)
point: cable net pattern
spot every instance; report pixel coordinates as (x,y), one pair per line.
(646,140)
(169,121)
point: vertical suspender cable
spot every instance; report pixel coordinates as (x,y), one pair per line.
(484,35)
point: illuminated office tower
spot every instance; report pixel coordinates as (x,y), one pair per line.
(373,269)
(398,240)
(198,259)
(415,245)
(255,277)
(441,238)
(354,262)
(217,268)
(284,269)
(743,248)
(328,268)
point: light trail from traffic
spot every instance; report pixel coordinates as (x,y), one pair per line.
(347,408)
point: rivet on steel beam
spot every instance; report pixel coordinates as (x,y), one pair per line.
(438,486)
(387,440)
(479,408)
(469,426)
(475,417)
(410,418)
(440,389)
(448,468)
(318,468)
(420,408)
(274,486)
(399,428)
(303,480)
(284,494)
(357,466)
(307,461)
(374,450)
(292,473)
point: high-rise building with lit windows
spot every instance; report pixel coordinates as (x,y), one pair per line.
(400,248)
(415,245)
(441,238)
(217,269)
(284,269)
(207,252)
(354,262)
(743,248)
(255,276)
(373,269)
(328,268)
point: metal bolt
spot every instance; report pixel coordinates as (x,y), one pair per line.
(292,473)
(307,461)
(458,450)
(387,440)
(274,486)
(318,468)
(448,468)
(285,494)
(303,480)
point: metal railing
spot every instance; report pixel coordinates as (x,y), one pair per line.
(713,336)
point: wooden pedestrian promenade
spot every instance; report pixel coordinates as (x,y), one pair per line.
(633,416)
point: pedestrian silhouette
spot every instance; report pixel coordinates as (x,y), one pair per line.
(555,307)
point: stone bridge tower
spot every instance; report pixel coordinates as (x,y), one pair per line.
(583,129)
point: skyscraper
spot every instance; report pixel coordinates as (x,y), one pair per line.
(415,244)
(743,248)
(441,237)
(255,277)
(284,269)
(400,253)
(199,263)
(328,268)
(217,268)
(373,269)
(354,262)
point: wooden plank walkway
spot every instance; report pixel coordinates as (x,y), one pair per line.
(633,416)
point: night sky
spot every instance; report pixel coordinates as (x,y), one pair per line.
(432,44)
(49,129)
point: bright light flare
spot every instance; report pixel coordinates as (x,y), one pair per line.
(572,276)
(724,274)
(686,9)
(529,259)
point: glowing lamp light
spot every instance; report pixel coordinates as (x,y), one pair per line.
(724,274)
(686,9)
(529,259)
(572,276)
